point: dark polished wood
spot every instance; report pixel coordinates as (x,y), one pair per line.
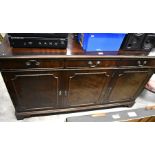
(127,84)
(33,90)
(51,81)
(32,63)
(73,50)
(86,87)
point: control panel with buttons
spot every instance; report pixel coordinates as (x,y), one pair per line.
(39,43)
(51,43)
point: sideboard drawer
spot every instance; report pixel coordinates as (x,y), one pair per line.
(31,63)
(137,63)
(97,63)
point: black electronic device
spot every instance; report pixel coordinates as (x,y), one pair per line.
(149,41)
(38,40)
(138,42)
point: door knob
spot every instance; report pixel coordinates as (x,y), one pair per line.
(65,92)
(60,92)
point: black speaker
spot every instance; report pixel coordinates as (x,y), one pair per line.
(149,42)
(133,41)
(138,42)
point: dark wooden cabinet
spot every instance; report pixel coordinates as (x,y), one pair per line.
(49,92)
(51,81)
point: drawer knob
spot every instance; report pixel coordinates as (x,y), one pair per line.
(90,62)
(93,65)
(98,62)
(145,62)
(141,63)
(28,63)
(37,63)
(32,62)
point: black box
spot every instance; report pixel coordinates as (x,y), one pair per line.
(38,40)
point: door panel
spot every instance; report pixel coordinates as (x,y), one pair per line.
(129,84)
(87,88)
(34,91)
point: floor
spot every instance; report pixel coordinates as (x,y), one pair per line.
(7,109)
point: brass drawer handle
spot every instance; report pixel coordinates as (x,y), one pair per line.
(28,63)
(90,63)
(32,62)
(37,63)
(141,63)
(145,62)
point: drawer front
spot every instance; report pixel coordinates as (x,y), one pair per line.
(97,63)
(31,63)
(137,63)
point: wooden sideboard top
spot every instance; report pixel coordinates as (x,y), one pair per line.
(73,50)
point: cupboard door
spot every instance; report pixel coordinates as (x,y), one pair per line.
(86,87)
(33,90)
(129,84)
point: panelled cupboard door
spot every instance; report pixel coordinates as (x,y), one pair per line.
(84,88)
(33,90)
(128,84)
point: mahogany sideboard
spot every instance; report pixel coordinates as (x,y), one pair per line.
(51,81)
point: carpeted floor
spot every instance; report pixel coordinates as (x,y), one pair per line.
(7,109)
